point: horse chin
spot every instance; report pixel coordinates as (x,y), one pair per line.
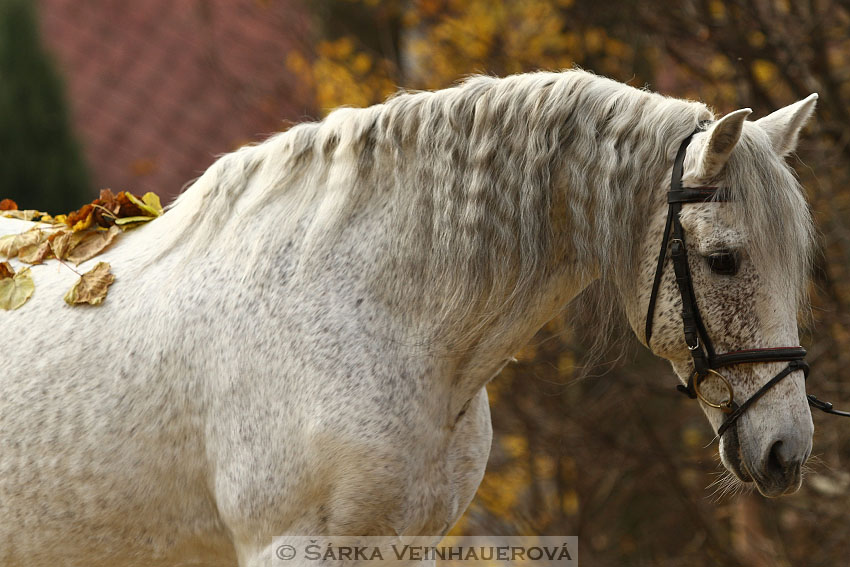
(730,455)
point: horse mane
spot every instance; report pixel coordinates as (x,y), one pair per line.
(486,183)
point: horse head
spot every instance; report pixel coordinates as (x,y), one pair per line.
(728,286)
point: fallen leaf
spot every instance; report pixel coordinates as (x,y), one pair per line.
(8,205)
(63,241)
(128,205)
(132,220)
(8,245)
(85,219)
(15,289)
(27,215)
(35,253)
(149,203)
(91,287)
(6,270)
(12,244)
(92,244)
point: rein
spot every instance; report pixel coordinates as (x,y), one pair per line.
(705,358)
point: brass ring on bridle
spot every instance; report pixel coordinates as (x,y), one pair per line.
(726,405)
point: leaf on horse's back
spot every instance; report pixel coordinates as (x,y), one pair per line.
(36,252)
(149,203)
(89,245)
(81,219)
(12,244)
(15,289)
(124,209)
(63,241)
(127,223)
(91,287)
(26,215)
(149,208)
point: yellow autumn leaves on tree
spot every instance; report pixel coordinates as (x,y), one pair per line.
(75,237)
(442,41)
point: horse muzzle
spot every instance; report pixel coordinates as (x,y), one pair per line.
(774,466)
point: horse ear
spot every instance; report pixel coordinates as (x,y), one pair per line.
(722,137)
(783,126)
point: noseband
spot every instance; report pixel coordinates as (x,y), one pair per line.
(705,359)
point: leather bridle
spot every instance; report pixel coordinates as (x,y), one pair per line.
(705,359)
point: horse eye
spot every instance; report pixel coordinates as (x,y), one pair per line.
(724,263)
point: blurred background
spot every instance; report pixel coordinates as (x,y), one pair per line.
(142,96)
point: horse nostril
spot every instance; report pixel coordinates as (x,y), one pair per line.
(776,464)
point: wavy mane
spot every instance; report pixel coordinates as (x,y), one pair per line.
(486,186)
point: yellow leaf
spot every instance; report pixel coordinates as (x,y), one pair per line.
(15,290)
(152,201)
(132,220)
(149,204)
(85,222)
(92,286)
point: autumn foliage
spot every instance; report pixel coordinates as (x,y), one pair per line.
(611,452)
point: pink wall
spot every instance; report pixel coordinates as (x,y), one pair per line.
(158,88)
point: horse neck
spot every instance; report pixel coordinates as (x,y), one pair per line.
(474,244)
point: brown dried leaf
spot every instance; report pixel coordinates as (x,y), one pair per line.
(81,219)
(106,209)
(27,215)
(15,290)
(109,209)
(12,244)
(128,208)
(92,244)
(35,253)
(6,270)
(92,286)
(63,241)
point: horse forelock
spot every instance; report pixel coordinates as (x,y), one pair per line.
(772,207)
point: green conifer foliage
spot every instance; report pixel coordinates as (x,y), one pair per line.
(41,165)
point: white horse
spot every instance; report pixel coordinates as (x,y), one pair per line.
(300,344)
